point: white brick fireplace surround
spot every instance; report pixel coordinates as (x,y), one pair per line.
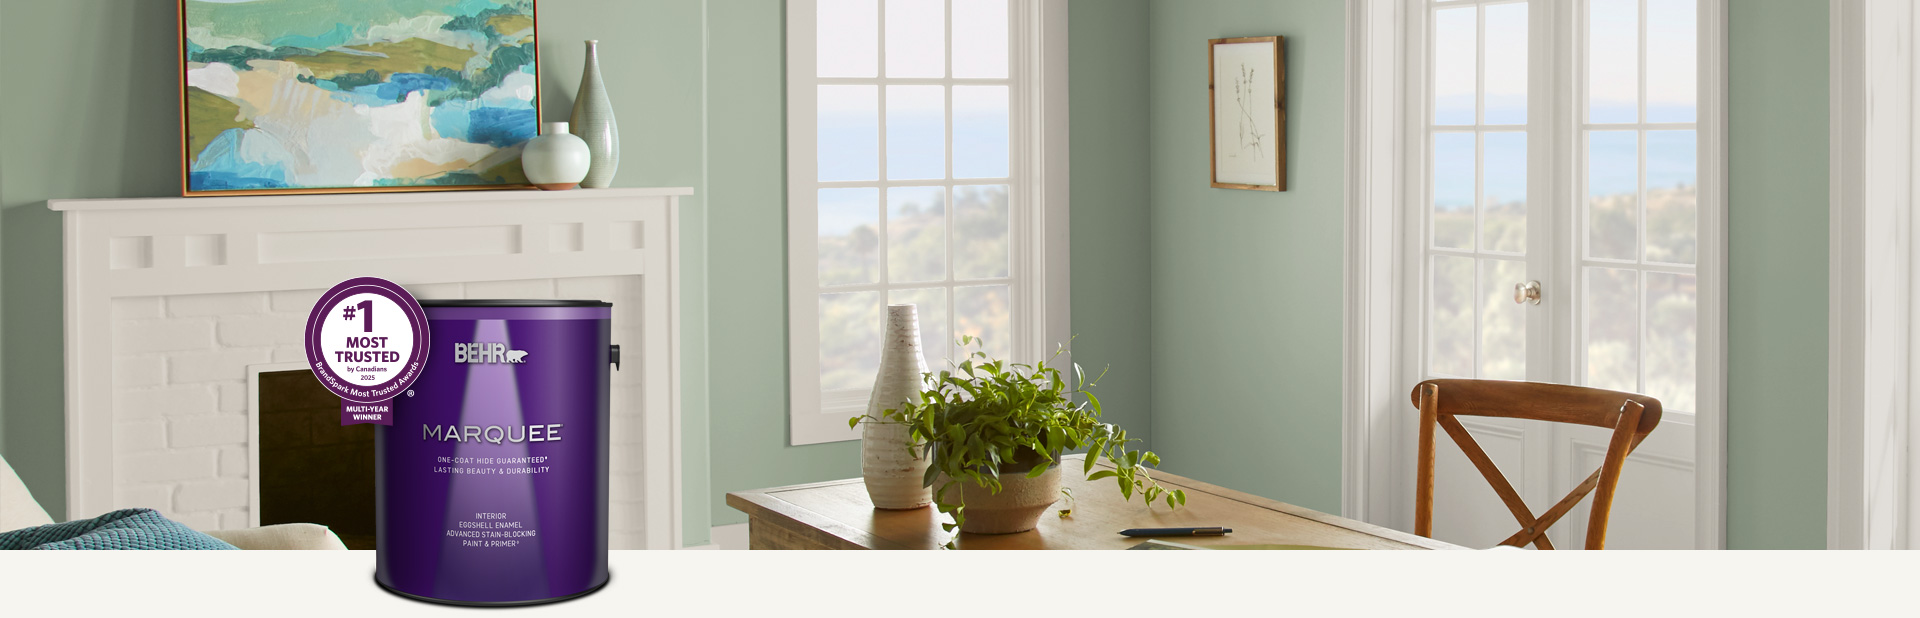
(173,304)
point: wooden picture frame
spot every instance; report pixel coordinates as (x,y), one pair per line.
(1241,72)
(486,170)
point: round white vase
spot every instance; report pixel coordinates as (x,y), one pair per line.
(893,466)
(556,160)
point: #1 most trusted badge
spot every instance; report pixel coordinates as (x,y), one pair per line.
(367,342)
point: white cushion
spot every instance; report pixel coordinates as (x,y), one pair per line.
(17,507)
(281,536)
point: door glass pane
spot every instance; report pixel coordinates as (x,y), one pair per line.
(1672,60)
(931,307)
(1612,329)
(916,132)
(916,38)
(847,35)
(1672,318)
(1613,61)
(984,311)
(979,38)
(1453,155)
(980,146)
(1673,190)
(1455,65)
(1506,97)
(1503,220)
(916,234)
(1450,319)
(1503,323)
(981,232)
(1613,196)
(849,236)
(849,133)
(850,326)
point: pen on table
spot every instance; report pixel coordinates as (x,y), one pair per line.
(1210,531)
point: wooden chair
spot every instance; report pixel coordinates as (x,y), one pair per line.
(1630,416)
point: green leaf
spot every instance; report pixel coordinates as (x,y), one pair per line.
(1170,502)
(1181,495)
(1126,489)
(1037,471)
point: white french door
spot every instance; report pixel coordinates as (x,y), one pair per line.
(1562,225)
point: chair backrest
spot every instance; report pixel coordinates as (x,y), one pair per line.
(1629,416)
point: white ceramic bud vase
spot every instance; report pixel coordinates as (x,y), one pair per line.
(557,160)
(893,466)
(593,122)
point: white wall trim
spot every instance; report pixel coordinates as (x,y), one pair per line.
(1710,420)
(1845,467)
(1871,161)
(1373,132)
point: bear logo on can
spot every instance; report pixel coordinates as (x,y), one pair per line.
(516,356)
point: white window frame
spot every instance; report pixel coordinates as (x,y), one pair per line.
(1386,135)
(1873,491)
(1037,199)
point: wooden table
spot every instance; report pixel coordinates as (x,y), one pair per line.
(838,515)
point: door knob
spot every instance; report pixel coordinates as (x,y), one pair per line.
(1526,293)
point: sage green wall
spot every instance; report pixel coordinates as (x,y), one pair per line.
(1777,274)
(1246,285)
(1107,83)
(749,301)
(95,114)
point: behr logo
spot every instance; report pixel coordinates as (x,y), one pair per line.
(487,353)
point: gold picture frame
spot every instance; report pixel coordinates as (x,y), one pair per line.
(1251,74)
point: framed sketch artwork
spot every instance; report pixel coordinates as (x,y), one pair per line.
(1246,83)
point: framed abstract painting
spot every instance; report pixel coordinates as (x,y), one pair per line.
(344,96)
(1246,90)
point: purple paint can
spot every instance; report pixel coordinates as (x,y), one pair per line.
(492,481)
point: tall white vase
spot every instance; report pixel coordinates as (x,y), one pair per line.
(593,122)
(892,465)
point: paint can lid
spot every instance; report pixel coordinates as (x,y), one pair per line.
(533,302)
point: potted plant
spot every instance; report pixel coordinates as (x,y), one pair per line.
(994,432)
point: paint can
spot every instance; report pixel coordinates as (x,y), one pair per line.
(492,479)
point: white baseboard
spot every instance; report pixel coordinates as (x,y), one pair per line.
(732,536)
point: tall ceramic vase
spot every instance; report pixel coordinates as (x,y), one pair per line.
(893,466)
(593,122)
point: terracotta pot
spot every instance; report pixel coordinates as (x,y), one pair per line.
(1017,508)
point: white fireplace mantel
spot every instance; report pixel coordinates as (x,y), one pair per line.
(120,252)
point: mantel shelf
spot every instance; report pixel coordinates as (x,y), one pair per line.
(395,198)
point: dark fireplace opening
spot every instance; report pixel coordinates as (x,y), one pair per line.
(312,469)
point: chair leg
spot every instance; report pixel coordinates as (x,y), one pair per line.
(1617,450)
(1423,485)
